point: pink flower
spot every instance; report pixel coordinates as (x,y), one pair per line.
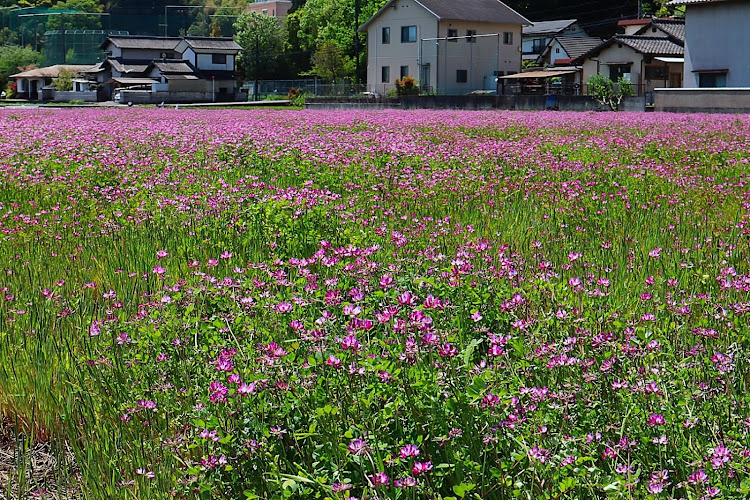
(357,447)
(656,419)
(409,450)
(421,467)
(380,479)
(333,361)
(161,254)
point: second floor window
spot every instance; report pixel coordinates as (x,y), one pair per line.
(218,58)
(508,38)
(452,35)
(408,34)
(461,76)
(387,34)
(471,36)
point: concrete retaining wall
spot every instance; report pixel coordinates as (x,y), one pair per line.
(344,104)
(703,100)
(478,102)
(147,97)
(60,96)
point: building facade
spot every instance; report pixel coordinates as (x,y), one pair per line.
(448,47)
(716,43)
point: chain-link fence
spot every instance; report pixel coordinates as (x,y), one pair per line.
(269,89)
(75,46)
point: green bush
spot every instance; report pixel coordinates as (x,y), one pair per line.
(406,86)
(609,93)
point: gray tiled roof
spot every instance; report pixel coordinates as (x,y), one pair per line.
(202,43)
(648,45)
(651,45)
(576,46)
(142,42)
(127,68)
(675,28)
(174,67)
(480,11)
(547,27)
(486,11)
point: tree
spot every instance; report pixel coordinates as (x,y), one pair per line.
(329,62)
(262,40)
(77,21)
(321,20)
(64,80)
(609,93)
(13,58)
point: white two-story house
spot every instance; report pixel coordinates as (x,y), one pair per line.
(449,47)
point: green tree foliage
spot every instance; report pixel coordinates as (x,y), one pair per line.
(609,93)
(76,21)
(262,40)
(321,20)
(64,81)
(13,58)
(329,62)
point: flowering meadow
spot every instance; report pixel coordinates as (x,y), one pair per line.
(394,304)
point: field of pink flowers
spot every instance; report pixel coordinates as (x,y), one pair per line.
(426,304)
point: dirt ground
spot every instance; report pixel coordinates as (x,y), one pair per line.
(33,471)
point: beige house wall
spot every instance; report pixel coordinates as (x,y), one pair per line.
(434,63)
(610,56)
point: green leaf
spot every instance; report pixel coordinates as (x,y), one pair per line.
(462,489)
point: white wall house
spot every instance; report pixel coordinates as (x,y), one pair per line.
(538,35)
(716,43)
(564,49)
(448,47)
(174,65)
(648,62)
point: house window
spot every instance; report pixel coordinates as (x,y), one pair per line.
(265,12)
(498,73)
(618,70)
(452,35)
(508,38)
(387,34)
(462,76)
(471,36)
(712,80)
(557,50)
(404,72)
(537,45)
(385,74)
(656,73)
(218,58)
(408,34)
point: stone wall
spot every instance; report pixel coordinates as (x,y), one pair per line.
(703,100)
(148,97)
(60,96)
(517,102)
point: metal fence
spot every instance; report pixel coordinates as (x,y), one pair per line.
(311,87)
(549,88)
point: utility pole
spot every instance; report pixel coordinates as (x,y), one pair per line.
(62,32)
(257,64)
(356,41)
